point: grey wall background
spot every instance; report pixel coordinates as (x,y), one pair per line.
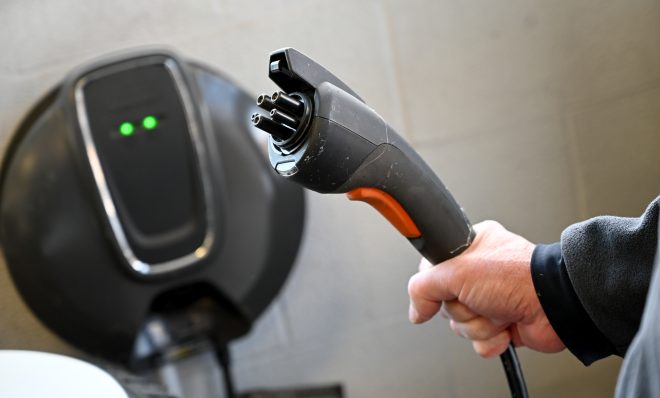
(535,113)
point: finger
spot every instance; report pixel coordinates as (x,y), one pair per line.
(423,310)
(492,347)
(436,283)
(428,289)
(457,311)
(478,328)
(424,264)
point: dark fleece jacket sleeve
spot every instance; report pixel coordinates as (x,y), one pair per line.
(639,373)
(609,261)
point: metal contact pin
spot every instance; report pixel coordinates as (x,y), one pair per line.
(264,102)
(288,104)
(271,127)
(283,118)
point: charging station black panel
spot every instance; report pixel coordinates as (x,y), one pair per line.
(143,138)
(134,198)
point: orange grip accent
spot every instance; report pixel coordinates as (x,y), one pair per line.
(389,208)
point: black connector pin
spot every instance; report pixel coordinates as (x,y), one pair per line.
(264,102)
(273,128)
(283,118)
(288,104)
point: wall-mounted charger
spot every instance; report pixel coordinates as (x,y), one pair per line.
(133,198)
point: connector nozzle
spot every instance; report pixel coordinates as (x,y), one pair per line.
(289,116)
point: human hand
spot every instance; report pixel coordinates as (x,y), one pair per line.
(487,293)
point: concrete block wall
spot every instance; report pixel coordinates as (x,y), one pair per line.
(535,113)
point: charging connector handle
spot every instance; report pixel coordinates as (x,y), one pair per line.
(325,138)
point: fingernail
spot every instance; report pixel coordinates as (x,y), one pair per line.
(413,316)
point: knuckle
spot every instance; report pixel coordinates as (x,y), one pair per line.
(477,332)
(483,349)
(456,328)
(490,225)
(482,329)
(452,326)
(480,349)
(424,264)
(415,284)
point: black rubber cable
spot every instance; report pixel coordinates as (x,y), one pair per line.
(225,363)
(514,373)
(510,362)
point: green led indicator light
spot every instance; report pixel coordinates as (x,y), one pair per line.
(149,122)
(126,129)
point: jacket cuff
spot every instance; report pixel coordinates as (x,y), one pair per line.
(563,307)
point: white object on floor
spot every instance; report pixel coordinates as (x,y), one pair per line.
(31,374)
